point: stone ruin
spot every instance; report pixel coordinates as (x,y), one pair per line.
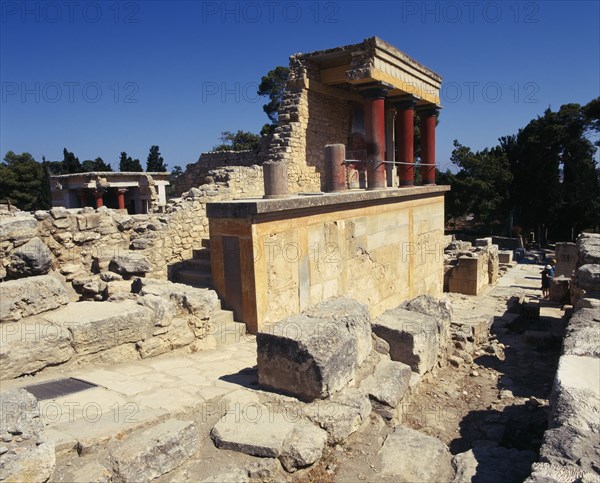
(470,269)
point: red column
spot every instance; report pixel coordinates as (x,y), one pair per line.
(375,137)
(99,200)
(405,138)
(427,125)
(121,198)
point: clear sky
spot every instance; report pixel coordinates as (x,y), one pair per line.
(101,77)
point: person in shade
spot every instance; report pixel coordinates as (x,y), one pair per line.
(547,274)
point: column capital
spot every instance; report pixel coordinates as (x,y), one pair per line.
(375,91)
(404,102)
(428,110)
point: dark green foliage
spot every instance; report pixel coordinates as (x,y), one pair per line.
(97,164)
(126,164)
(546,175)
(155,162)
(23,182)
(239,141)
(482,185)
(71,164)
(272,85)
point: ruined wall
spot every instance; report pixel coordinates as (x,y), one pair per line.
(310,116)
(569,450)
(196,174)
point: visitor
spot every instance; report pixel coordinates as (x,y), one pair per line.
(547,273)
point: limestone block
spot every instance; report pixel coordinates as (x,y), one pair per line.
(505,256)
(302,447)
(32,258)
(575,397)
(582,337)
(483,242)
(566,259)
(26,455)
(154,452)
(586,282)
(408,456)
(29,345)
(97,326)
(312,357)
(387,386)
(588,247)
(130,264)
(560,288)
(17,228)
(30,296)
(492,464)
(413,338)
(342,414)
(439,309)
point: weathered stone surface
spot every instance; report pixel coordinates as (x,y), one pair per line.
(32,258)
(387,386)
(576,393)
(549,473)
(22,227)
(413,338)
(571,447)
(440,310)
(162,308)
(310,357)
(586,282)
(588,247)
(409,456)
(26,456)
(354,315)
(342,414)
(560,288)
(252,429)
(29,345)
(302,447)
(97,326)
(583,334)
(493,465)
(587,303)
(199,302)
(130,264)
(154,452)
(30,296)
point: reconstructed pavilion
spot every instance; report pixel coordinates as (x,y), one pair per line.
(363,96)
(136,192)
(344,109)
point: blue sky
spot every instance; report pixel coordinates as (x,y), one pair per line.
(101,77)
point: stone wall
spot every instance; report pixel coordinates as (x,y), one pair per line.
(469,270)
(83,241)
(377,253)
(311,116)
(570,450)
(198,173)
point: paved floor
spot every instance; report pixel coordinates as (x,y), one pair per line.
(135,394)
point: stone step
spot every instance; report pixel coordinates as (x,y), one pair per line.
(225,329)
(195,278)
(201,253)
(200,264)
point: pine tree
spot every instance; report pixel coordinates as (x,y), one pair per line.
(71,164)
(155,162)
(126,164)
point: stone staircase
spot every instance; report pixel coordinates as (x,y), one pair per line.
(196,271)
(225,329)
